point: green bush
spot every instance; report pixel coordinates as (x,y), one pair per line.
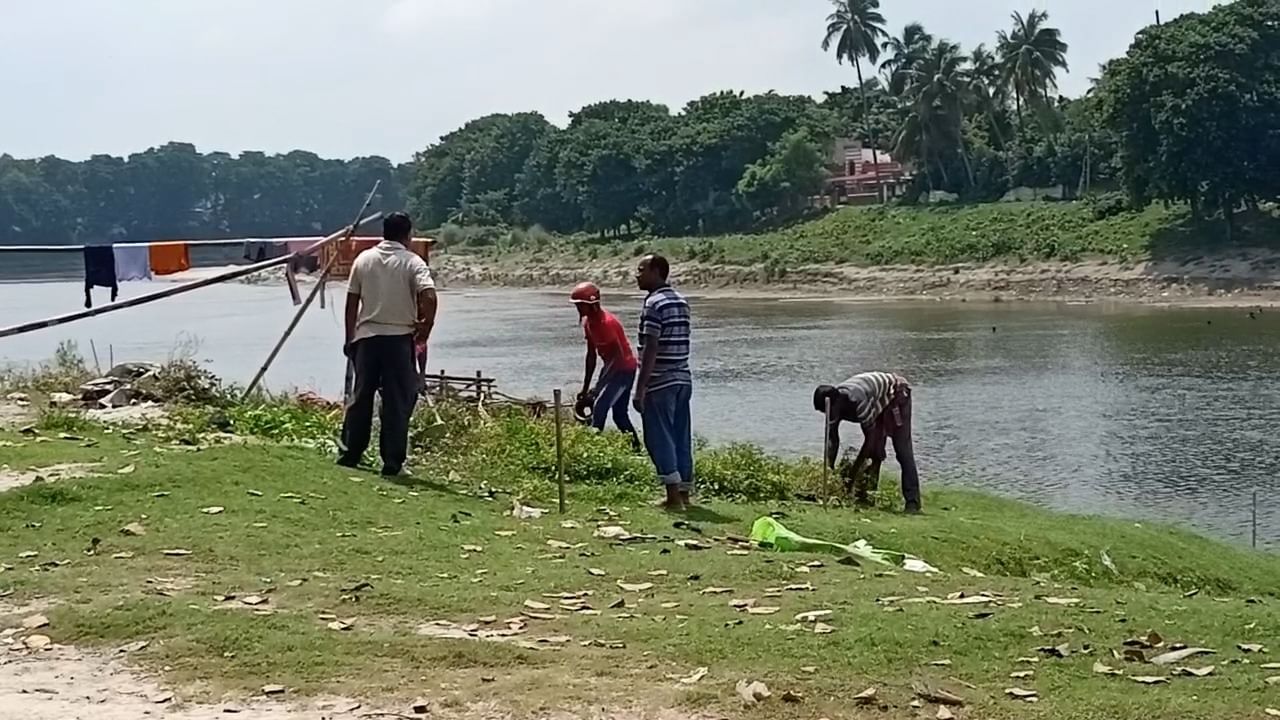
(185,382)
(743,471)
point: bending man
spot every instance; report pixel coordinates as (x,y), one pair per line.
(881,403)
(608,340)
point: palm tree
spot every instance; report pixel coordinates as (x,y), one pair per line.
(855,29)
(938,86)
(903,52)
(986,87)
(1030,56)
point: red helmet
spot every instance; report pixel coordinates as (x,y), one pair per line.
(585,293)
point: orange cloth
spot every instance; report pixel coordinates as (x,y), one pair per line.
(169,259)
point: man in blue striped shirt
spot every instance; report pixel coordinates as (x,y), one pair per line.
(664,385)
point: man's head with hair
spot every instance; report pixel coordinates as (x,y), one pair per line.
(397,227)
(652,273)
(821,395)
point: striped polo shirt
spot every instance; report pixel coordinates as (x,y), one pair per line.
(870,392)
(665,320)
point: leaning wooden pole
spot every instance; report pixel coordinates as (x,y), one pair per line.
(315,291)
(826,451)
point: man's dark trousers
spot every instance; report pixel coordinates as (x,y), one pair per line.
(384,364)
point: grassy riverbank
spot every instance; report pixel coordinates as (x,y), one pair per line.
(298,545)
(1034,249)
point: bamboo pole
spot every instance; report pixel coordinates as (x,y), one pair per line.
(94,349)
(317,290)
(240,272)
(559,451)
(1255,519)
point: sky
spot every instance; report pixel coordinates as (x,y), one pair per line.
(345,78)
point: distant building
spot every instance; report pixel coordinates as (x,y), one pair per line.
(856,179)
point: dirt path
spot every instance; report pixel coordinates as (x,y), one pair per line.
(69,684)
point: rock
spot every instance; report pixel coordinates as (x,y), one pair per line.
(120,397)
(131,371)
(133,530)
(62,399)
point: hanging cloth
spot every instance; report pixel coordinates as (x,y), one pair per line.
(99,271)
(132,262)
(170,258)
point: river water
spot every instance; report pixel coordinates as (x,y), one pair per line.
(1167,414)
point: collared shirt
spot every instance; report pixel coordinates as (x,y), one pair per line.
(610,341)
(388,278)
(665,320)
(870,393)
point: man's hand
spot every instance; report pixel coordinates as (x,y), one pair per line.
(638,401)
(349,350)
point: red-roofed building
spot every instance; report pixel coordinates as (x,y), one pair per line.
(856,179)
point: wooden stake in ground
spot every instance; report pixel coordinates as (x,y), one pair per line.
(559,452)
(826,450)
(319,286)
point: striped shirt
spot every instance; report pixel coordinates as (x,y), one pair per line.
(665,320)
(870,393)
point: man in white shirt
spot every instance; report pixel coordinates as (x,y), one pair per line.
(391,300)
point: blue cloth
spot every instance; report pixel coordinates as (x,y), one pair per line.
(665,320)
(668,434)
(133,262)
(613,393)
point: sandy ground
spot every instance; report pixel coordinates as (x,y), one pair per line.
(63,683)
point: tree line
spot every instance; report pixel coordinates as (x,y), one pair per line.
(174,191)
(1190,114)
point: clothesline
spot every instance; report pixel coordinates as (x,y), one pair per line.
(150,243)
(179,289)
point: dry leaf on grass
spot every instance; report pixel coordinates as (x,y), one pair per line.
(160,698)
(253,600)
(1273,680)
(1058,651)
(742,603)
(657,573)
(635,587)
(944,713)
(822,629)
(938,696)
(1102,669)
(273,690)
(126,470)
(1251,648)
(1272,712)
(340,625)
(752,692)
(213,510)
(1150,679)
(472,548)
(133,530)
(1194,672)
(535,605)
(1179,655)
(812,615)
(866,697)
(1022,674)
(716,591)
(1021,694)
(1062,601)
(177,552)
(763,610)
(791,696)
(596,572)
(801,587)
(37,642)
(971,572)
(505,533)
(692,677)
(941,663)
(34,622)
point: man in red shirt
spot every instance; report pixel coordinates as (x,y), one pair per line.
(607,339)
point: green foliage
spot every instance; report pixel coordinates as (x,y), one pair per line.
(61,420)
(745,472)
(778,186)
(185,382)
(284,421)
(64,373)
(1196,104)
